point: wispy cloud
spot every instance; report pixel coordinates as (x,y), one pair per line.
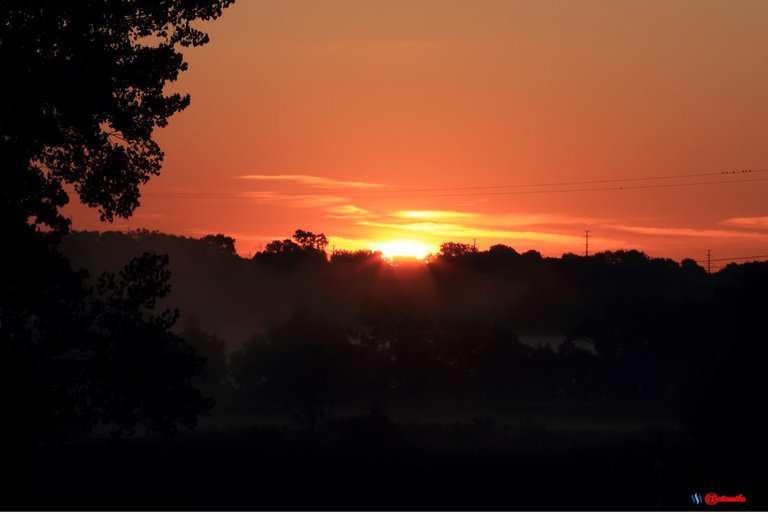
(350,243)
(753,222)
(463,231)
(433,215)
(348,211)
(499,220)
(312,180)
(536,219)
(148,215)
(690,232)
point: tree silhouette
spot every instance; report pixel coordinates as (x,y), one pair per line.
(142,372)
(454,250)
(83,91)
(225,244)
(305,364)
(309,241)
(305,247)
(357,257)
(104,357)
(284,247)
(211,348)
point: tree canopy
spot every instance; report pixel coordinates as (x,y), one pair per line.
(310,241)
(455,249)
(304,246)
(83,91)
(84,87)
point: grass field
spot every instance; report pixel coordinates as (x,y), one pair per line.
(373,462)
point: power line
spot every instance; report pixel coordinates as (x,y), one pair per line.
(548,184)
(583,182)
(246,196)
(735,258)
(580,190)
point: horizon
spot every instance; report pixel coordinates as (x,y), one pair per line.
(716,262)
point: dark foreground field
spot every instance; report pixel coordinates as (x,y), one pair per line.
(371,462)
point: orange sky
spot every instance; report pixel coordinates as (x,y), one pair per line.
(388,120)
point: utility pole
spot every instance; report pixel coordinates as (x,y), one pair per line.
(474,245)
(709,261)
(586,243)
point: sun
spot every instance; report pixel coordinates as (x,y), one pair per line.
(392,249)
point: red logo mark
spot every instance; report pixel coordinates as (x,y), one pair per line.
(713,499)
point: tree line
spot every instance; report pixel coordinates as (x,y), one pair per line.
(84,89)
(614,326)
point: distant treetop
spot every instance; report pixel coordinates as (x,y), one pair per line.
(225,244)
(310,240)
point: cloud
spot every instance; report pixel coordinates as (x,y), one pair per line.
(463,231)
(518,220)
(690,232)
(312,180)
(350,243)
(499,220)
(348,211)
(753,222)
(433,214)
(148,215)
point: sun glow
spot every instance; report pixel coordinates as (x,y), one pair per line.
(392,249)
